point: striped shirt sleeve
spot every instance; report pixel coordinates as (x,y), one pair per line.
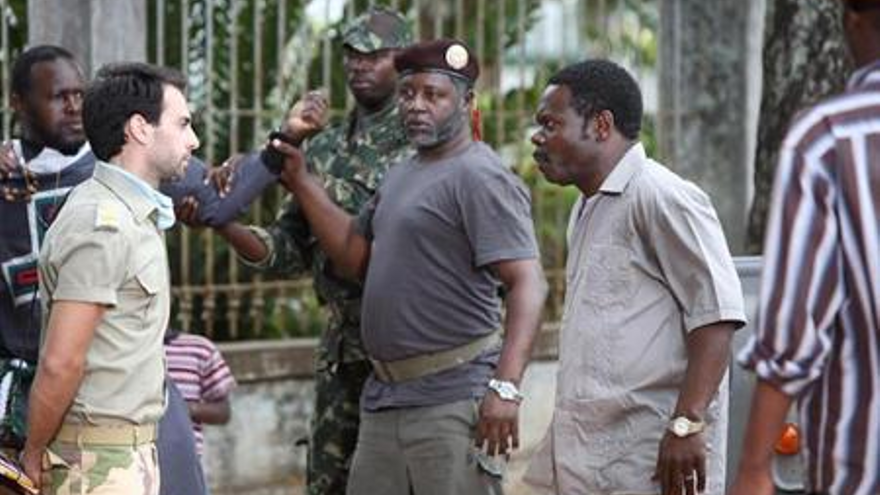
(800,289)
(217,379)
(198,369)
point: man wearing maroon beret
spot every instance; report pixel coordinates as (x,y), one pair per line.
(449,226)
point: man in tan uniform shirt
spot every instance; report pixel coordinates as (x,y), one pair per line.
(98,391)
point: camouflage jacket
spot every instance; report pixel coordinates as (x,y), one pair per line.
(351,158)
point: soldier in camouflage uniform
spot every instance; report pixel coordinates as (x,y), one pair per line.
(351,158)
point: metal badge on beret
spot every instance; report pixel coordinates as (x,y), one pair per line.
(457,57)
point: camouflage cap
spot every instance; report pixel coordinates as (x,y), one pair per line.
(376,29)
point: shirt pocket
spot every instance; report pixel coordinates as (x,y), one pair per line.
(150,279)
(608,278)
(139,295)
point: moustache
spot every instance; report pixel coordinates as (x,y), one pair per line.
(540,156)
(416,123)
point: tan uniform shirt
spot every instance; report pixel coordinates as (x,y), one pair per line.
(647,263)
(105,248)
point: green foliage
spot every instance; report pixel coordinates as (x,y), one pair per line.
(623,29)
(15,18)
(233,58)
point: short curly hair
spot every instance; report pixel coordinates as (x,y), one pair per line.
(598,85)
(21,69)
(118,92)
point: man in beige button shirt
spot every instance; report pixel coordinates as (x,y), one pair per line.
(652,302)
(98,391)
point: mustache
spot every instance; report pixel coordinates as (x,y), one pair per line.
(416,122)
(360,78)
(541,156)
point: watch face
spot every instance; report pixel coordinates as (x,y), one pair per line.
(505,392)
(680,427)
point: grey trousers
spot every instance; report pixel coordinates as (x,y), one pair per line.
(421,451)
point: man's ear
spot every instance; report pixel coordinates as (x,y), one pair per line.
(469,97)
(17,103)
(604,124)
(137,129)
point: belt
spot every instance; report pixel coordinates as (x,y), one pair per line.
(427,364)
(132,435)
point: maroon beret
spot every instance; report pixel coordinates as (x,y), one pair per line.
(448,56)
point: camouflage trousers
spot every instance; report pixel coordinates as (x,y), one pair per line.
(334,426)
(100,470)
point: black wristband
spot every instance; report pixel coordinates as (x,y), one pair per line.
(271,158)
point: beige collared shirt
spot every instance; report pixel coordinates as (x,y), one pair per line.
(105,248)
(647,263)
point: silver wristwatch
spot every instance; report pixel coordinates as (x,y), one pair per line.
(506,390)
(682,427)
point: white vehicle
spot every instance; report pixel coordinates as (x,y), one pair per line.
(787,464)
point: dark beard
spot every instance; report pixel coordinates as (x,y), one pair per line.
(67,148)
(40,137)
(445,130)
(451,127)
(32,148)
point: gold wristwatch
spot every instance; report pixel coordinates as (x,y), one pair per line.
(682,426)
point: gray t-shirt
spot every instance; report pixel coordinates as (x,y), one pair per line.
(436,228)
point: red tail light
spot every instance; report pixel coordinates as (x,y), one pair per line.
(789,442)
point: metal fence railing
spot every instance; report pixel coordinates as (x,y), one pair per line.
(247,60)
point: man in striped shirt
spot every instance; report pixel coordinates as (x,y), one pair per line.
(818,336)
(203,378)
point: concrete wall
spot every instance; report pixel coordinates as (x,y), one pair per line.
(710,73)
(256,453)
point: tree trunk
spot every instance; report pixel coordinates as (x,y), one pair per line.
(710,60)
(96,31)
(805,59)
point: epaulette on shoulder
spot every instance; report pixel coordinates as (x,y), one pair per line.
(107,216)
